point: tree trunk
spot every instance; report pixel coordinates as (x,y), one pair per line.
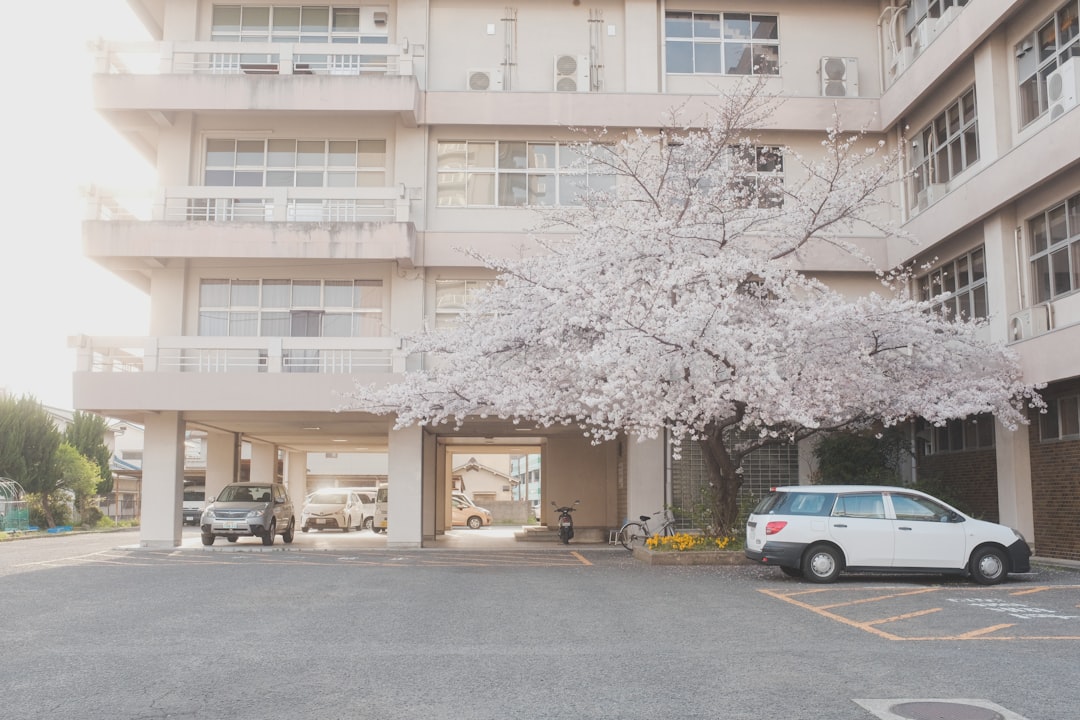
(724,482)
(46,510)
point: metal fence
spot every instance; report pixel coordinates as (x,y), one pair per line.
(14,509)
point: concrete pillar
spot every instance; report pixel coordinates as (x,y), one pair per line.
(263,463)
(436,480)
(222,461)
(296,480)
(160,525)
(645,480)
(1015,507)
(404,515)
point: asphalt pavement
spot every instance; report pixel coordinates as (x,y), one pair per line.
(97,628)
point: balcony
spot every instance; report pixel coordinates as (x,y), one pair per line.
(139,86)
(228,373)
(252,222)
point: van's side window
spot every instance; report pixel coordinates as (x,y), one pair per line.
(869,505)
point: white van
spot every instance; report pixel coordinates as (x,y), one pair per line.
(379,525)
(193,503)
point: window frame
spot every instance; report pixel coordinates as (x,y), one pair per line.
(721,43)
(1053,255)
(1035,60)
(1061,421)
(950,277)
(973,433)
(941,150)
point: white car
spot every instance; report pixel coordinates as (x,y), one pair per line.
(332,509)
(816,531)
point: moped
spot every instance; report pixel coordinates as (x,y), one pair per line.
(566,522)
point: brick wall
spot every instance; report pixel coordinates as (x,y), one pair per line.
(968,480)
(1055,488)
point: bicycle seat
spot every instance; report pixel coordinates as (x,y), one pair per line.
(643,518)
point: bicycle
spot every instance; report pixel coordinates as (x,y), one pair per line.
(635,532)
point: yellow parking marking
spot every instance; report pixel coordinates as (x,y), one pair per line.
(578,556)
(878,598)
(905,616)
(870,626)
(985,631)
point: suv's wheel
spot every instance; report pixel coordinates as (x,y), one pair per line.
(821,564)
(268,536)
(232,538)
(207,539)
(988,566)
(475,522)
(368,522)
(289,533)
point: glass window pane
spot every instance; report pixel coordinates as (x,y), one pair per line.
(221,153)
(368,324)
(337,325)
(764,27)
(226,19)
(971,145)
(680,57)
(218,178)
(250,153)
(311,153)
(306,293)
(315,19)
(275,324)
(450,189)
(481,155)
(213,323)
(1074,216)
(1040,269)
(1061,276)
(286,19)
(986,431)
(281,153)
(678,24)
(1048,423)
(708,25)
(766,59)
(738,60)
(254,19)
(280,178)
(480,189)
(513,189)
(542,189)
(979,307)
(542,155)
(1070,416)
(450,156)
(1047,37)
(342,153)
(338,293)
(243,324)
(736,26)
(276,293)
(214,293)
(368,294)
(244,293)
(978,265)
(1068,18)
(309,179)
(341,179)
(347,19)
(963,274)
(1057,225)
(1037,228)
(708,58)
(513,155)
(371,154)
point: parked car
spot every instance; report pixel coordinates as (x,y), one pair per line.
(332,509)
(382,494)
(817,531)
(193,504)
(261,510)
(367,501)
(463,512)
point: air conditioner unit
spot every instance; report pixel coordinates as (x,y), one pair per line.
(922,35)
(931,194)
(900,61)
(839,77)
(1029,322)
(571,73)
(1063,88)
(484,79)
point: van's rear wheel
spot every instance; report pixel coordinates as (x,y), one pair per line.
(822,564)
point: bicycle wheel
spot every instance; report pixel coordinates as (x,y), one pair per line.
(632,535)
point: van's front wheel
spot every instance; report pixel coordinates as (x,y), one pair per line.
(988,566)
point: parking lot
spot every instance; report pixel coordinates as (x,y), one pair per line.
(582,631)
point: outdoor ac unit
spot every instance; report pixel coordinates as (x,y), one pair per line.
(571,73)
(924,33)
(901,60)
(484,79)
(839,77)
(1063,88)
(1029,322)
(931,194)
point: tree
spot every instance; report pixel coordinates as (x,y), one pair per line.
(674,303)
(86,433)
(28,443)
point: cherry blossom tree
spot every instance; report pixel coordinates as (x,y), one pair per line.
(672,300)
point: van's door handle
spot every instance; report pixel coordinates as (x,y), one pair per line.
(904,527)
(839,525)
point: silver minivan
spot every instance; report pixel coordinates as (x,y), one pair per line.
(817,531)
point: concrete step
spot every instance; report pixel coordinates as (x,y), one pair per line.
(541,533)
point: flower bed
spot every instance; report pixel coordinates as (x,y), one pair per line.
(686,549)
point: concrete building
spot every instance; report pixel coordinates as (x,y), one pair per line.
(320,166)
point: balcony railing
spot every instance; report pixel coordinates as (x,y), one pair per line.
(238,355)
(253,204)
(235,58)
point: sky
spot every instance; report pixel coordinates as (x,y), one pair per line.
(56,144)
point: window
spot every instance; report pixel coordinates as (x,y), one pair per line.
(1061,420)
(1037,55)
(721,43)
(307,24)
(294,163)
(515,174)
(919,509)
(965,278)
(291,308)
(451,297)
(921,14)
(1055,250)
(869,505)
(761,169)
(972,433)
(947,146)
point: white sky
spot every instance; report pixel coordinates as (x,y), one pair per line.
(55,144)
